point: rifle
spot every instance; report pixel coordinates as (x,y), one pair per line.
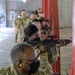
(49,42)
(52,49)
(52,42)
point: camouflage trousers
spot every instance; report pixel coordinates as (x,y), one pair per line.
(19,34)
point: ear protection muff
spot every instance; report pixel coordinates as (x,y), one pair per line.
(20,63)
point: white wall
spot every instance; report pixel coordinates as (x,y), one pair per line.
(65,13)
(2,13)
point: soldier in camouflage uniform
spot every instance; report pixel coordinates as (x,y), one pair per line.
(44,59)
(31,33)
(32,17)
(37,23)
(19,29)
(42,50)
(25,61)
(40,16)
(24,17)
(28,14)
(39,10)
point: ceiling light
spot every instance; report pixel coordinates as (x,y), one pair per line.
(24,1)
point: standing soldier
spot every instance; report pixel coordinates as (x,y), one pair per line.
(41,15)
(39,10)
(18,27)
(37,23)
(31,33)
(28,14)
(23,13)
(24,17)
(32,17)
(42,50)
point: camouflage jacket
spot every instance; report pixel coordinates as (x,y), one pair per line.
(24,18)
(28,21)
(11,71)
(18,23)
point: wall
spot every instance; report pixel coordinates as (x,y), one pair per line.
(6,6)
(18,5)
(2,13)
(65,13)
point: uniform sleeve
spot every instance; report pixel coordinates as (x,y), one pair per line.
(14,23)
(27,22)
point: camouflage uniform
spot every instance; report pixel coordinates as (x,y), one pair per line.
(44,64)
(28,21)
(24,18)
(46,59)
(11,71)
(18,26)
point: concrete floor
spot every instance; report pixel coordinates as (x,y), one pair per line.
(7,42)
